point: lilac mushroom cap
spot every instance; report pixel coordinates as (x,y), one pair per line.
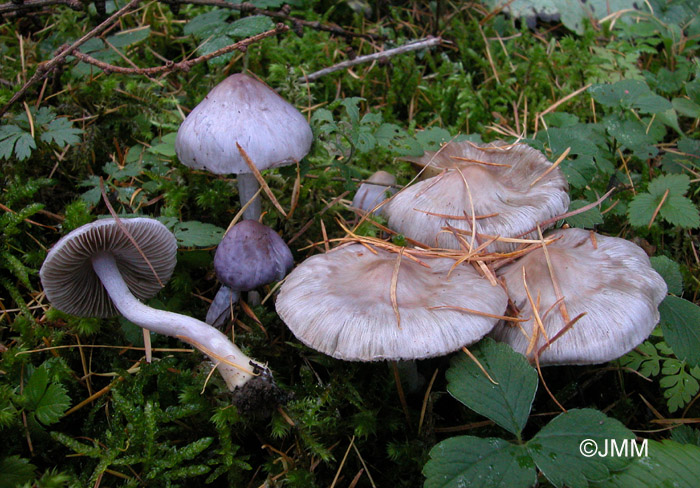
(246,111)
(340,304)
(508,198)
(377,189)
(608,278)
(251,255)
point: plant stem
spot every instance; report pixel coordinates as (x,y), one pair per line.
(237,368)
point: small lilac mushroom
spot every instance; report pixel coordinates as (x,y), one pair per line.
(608,279)
(242,111)
(97,271)
(249,256)
(374,191)
(507,189)
(353,304)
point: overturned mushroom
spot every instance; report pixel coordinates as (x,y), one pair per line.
(97,271)
(506,189)
(242,111)
(599,301)
(353,304)
(249,256)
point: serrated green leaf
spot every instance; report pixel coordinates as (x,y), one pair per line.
(675,184)
(352,108)
(678,384)
(207,24)
(16,471)
(556,448)
(668,464)
(165,146)
(685,434)
(680,211)
(508,402)
(587,219)
(197,234)
(686,107)
(620,94)
(647,361)
(680,321)
(127,38)
(432,138)
(473,462)
(651,103)
(61,132)
(13,138)
(671,273)
(642,208)
(46,400)
(250,26)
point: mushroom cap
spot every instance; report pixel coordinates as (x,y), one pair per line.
(608,278)
(72,286)
(251,255)
(374,191)
(340,303)
(242,110)
(506,200)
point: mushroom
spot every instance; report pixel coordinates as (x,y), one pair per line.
(508,189)
(377,189)
(250,255)
(242,111)
(364,304)
(98,271)
(608,279)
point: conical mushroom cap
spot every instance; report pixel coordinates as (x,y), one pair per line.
(507,197)
(72,286)
(242,110)
(340,303)
(374,191)
(251,255)
(607,278)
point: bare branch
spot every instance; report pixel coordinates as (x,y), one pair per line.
(171,66)
(37,4)
(411,46)
(43,69)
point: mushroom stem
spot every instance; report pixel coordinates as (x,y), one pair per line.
(220,309)
(248,186)
(238,368)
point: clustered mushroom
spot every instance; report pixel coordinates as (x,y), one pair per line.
(576,297)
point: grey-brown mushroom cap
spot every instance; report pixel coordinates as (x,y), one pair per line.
(608,278)
(339,303)
(73,287)
(242,110)
(507,197)
(377,188)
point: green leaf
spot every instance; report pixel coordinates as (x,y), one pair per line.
(127,38)
(587,219)
(686,107)
(685,434)
(197,234)
(679,385)
(676,209)
(506,403)
(620,94)
(680,211)
(250,26)
(671,273)
(165,146)
(61,132)
(473,462)
(675,184)
(644,358)
(642,208)
(680,321)
(207,24)
(16,471)
(668,464)
(557,452)
(432,138)
(15,138)
(46,401)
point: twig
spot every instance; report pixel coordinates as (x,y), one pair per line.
(411,46)
(43,69)
(185,65)
(36,4)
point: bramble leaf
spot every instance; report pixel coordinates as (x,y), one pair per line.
(680,321)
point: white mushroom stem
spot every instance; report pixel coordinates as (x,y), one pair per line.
(248,186)
(234,366)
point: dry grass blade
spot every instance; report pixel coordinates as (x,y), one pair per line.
(426,397)
(563,330)
(455,217)
(261,180)
(536,316)
(212,354)
(479,365)
(394,284)
(476,161)
(544,383)
(552,167)
(471,208)
(342,462)
(123,228)
(476,312)
(239,214)
(658,208)
(555,284)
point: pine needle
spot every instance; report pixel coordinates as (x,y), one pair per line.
(261,180)
(478,364)
(394,284)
